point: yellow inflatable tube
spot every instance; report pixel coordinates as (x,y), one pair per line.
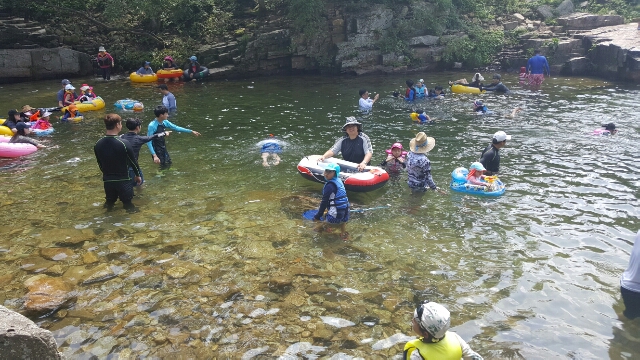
(93,105)
(143,78)
(462,89)
(5,130)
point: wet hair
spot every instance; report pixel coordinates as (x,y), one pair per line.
(362,91)
(159,110)
(537,51)
(419,111)
(609,126)
(438,88)
(163,87)
(111,120)
(132,124)
(409,83)
(12,114)
(396,94)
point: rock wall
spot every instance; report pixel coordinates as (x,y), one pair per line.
(614,52)
(21,339)
(42,63)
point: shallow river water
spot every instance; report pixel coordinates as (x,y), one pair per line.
(219,263)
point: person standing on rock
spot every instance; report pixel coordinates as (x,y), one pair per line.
(115,156)
(537,66)
(105,61)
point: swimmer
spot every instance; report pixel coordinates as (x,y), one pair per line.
(607,129)
(396,159)
(420,117)
(270,148)
(479,107)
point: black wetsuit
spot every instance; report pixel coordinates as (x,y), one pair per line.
(499,87)
(137,141)
(115,156)
(490,159)
(160,148)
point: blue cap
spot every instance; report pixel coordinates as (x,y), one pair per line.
(478,166)
(193,58)
(147,63)
(333,167)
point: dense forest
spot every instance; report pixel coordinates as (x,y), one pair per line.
(141,29)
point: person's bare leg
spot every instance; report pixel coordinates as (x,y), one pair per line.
(276,158)
(343,231)
(265,156)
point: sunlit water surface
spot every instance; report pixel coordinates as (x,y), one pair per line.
(219,263)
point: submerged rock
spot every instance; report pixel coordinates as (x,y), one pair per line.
(391,341)
(337,322)
(22,339)
(56,254)
(99,273)
(46,294)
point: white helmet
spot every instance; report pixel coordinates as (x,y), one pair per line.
(434,318)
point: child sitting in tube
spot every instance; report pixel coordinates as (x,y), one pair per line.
(71,112)
(396,159)
(420,117)
(476,174)
(42,123)
(87,93)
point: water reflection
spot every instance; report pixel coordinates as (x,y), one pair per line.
(219,262)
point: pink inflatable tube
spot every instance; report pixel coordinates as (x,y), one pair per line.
(10,150)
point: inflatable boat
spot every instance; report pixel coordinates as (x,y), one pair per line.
(459,183)
(463,89)
(11,150)
(370,179)
(45,132)
(203,73)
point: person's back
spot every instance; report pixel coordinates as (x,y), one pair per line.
(537,64)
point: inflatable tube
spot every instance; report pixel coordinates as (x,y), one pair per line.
(595,132)
(143,78)
(5,131)
(76,119)
(39,132)
(4,139)
(93,105)
(462,89)
(10,150)
(204,72)
(169,74)
(129,104)
(459,184)
(371,179)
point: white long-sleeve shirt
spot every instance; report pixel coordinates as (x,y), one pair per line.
(630,279)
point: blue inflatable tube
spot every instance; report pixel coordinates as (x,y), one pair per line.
(40,132)
(129,104)
(459,184)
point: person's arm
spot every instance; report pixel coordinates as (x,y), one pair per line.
(177,128)
(329,189)
(529,65)
(131,160)
(429,180)
(172,102)
(140,71)
(113,63)
(368,151)
(335,150)
(467,353)
(546,67)
(60,99)
(375,98)
(150,131)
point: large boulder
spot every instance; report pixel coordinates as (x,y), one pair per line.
(583,21)
(614,51)
(577,66)
(545,11)
(21,339)
(34,64)
(565,8)
(426,40)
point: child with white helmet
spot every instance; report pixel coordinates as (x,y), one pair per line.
(431,322)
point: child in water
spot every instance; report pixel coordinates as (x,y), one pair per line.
(72,112)
(69,96)
(431,322)
(87,93)
(479,107)
(437,93)
(410,93)
(476,174)
(396,159)
(334,200)
(270,148)
(420,117)
(42,123)
(607,129)
(523,77)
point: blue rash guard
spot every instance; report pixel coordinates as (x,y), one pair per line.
(153,128)
(538,65)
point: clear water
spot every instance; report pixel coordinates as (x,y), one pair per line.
(219,263)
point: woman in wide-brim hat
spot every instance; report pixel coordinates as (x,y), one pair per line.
(355,146)
(418,164)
